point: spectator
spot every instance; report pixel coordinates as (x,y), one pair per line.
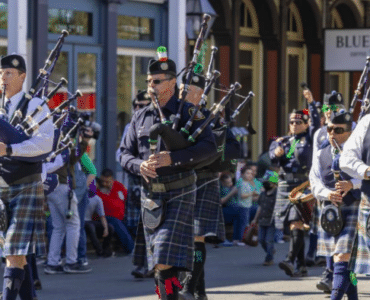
(257,187)
(231,209)
(114,195)
(62,203)
(98,228)
(264,216)
(83,168)
(246,193)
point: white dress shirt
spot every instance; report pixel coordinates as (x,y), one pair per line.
(41,142)
(351,159)
(318,189)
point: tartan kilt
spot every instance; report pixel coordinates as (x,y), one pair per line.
(139,258)
(132,214)
(360,256)
(315,222)
(284,211)
(172,243)
(329,245)
(26,231)
(208,215)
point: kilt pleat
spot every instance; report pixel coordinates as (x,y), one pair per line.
(26,232)
(360,256)
(315,222)
(139,254)
(208,216)
(329,245)
(172,243)
(284,211)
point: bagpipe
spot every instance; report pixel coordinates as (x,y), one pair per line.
(331,216)
(362,84)
(177,140)
(22,127)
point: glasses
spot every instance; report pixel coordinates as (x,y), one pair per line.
(296,122)
(156,81)
(337,130)
(326,108)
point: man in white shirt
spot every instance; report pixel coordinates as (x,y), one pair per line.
(355,161)
(21,187)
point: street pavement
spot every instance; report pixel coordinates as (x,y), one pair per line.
(231,273)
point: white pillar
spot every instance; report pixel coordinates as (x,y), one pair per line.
(17,29)
(177,32)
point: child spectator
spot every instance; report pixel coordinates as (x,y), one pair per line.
(98,228)
(246,193)
(264,216)
(231,209)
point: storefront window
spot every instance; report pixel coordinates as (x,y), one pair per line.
(76,22)
(60,70)
(131,75)
(135,28)
(3,15)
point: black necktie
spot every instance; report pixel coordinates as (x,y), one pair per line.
(7,106)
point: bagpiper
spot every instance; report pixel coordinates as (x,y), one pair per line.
(332,187)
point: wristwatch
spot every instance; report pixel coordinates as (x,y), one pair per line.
(9,150)
(367,174)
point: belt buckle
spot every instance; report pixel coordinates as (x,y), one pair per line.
(158,188)
(289,177)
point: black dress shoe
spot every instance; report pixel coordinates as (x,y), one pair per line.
(287,266)
(301,272)
(37,284)
(139,272)
(150,274)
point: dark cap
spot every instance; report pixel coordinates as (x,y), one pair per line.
(162,67)
(142,96)
(300,115)
(13,61)
(197,80)
(333,98)
(341,117)
(270,176)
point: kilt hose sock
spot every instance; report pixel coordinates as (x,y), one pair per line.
(167,284)
(342,283)
(13,278)
(301,262)
(200,288)
(296,243)
(27,290)
(199,261)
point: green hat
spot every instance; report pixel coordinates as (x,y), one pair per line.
(270,176)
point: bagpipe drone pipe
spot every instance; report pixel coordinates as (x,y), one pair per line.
(167,129)
(22,127)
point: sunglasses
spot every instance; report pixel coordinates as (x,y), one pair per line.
(156,81)
(139,105)
(337,130)
(326,108)
(296,122)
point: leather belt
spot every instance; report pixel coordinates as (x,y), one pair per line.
(293,177)
(158,187)
(27,179)
(203,175)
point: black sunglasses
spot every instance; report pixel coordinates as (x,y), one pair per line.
(156,81)
(139,105)
(337,130)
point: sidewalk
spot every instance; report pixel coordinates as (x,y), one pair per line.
(234,273)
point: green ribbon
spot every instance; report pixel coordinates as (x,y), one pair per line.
(326,107)
(292,148)
(353,278)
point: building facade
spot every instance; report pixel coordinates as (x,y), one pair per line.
(269,46)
